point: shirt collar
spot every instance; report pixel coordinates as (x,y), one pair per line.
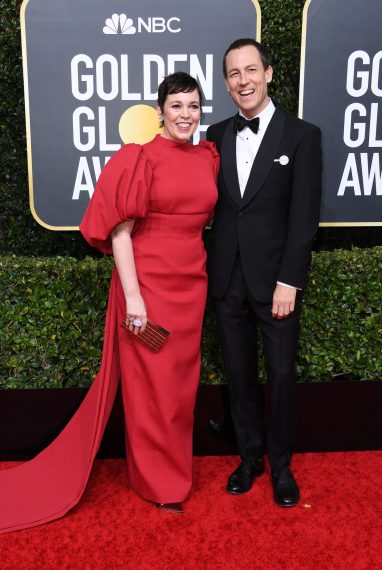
(265,115)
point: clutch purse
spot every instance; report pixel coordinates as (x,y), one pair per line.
(154,336)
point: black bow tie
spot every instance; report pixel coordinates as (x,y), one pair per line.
(240,123)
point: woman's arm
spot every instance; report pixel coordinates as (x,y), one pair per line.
(124,259)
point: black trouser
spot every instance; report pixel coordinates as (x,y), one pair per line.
(238,315)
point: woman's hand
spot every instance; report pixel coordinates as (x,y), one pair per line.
(136,310)
(124,259)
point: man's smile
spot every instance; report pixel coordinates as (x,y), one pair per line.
(246,92)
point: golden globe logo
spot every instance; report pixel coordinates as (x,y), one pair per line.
(121,24)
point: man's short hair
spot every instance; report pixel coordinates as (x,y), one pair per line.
(242,42)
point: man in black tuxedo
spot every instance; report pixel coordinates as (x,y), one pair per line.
(259,257)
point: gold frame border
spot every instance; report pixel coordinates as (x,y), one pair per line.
(27,111)
(349,224)
(258,19)
(302,58)
(301,109)
(28,125)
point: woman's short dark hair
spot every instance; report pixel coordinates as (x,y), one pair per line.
(242,42)
(178,82)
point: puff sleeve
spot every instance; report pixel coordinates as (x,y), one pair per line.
(121,193)
(215,157)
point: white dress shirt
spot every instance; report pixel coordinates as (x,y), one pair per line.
(247,146)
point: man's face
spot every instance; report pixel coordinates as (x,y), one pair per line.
(247,80)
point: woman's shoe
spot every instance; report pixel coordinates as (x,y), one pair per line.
(176,508)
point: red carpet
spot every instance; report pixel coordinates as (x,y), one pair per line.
(337,525)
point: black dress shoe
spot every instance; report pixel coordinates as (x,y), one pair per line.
(244,476)
(175,508)
(285,489)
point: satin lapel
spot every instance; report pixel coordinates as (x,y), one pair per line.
(265,156)
(228,162)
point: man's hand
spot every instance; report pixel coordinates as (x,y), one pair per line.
(283,301)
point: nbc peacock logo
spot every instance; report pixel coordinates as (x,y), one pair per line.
(119,24)
(122,24)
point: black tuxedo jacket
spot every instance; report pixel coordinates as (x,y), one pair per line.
(274,223)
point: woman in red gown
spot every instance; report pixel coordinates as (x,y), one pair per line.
(149,209)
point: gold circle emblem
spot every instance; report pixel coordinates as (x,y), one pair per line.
(139,124)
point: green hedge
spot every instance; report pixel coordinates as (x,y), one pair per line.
(52,314)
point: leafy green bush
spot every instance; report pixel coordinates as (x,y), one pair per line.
(342,317)
(52,313)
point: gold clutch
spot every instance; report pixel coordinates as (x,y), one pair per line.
(154,336)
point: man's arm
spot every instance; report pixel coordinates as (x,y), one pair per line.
(304,210)
(303,222)
(210,134)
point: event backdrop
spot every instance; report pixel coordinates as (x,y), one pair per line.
(92,68)
(91,72)
(341,90)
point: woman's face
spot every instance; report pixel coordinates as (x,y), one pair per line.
(181,115)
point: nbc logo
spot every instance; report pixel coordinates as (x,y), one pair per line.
(121,24)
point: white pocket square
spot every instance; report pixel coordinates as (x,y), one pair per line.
(283,160)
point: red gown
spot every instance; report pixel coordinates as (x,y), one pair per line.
(170,189)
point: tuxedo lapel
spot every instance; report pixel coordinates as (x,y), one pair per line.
(265,156)
(228,162)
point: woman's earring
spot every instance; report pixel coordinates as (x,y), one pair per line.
(160,118)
